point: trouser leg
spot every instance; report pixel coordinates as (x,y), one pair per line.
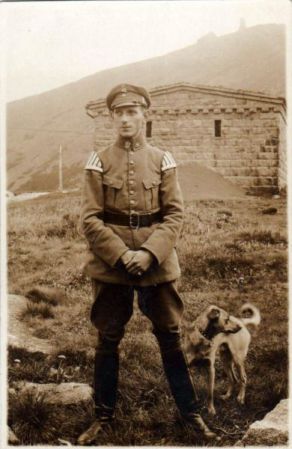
(163,306)
(111,311)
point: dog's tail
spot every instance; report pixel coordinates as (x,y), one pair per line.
(250,314)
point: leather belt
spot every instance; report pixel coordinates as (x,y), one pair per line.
(133,221)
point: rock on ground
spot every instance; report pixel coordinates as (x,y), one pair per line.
(64,394)
(12,438)
(271,430)
(19,334)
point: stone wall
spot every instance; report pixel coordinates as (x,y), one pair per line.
(250,152)
(282,151)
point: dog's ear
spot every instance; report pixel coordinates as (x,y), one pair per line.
(214,314)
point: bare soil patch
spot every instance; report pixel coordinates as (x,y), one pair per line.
(199,182)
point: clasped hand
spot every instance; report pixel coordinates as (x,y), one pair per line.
(136,262)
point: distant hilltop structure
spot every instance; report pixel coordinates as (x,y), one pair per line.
(242,24)
(253,59)
(239,134)
(9,194)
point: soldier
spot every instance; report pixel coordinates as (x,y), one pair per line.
(132,215)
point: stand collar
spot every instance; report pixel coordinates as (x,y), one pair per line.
(131,143)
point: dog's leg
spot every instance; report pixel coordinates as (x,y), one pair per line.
(211,383)
(242,380)
(228,367)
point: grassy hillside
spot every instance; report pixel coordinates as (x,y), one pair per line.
(251,58)
(229,252)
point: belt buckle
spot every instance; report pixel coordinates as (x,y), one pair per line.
(132,217)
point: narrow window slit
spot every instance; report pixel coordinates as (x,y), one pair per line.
(217,128)
(149,129)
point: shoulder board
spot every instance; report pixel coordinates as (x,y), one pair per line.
(167,161)
(94,163)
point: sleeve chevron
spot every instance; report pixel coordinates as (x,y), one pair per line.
(167,161)
(94,163)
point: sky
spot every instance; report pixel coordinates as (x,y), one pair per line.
(49,44)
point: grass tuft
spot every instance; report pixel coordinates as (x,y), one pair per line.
(225,266)
(43,332)
(40,309)
(49,295)
(265,237)
(67,227)
(34,420)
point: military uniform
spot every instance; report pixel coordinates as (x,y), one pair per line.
(132,200)
(134,179)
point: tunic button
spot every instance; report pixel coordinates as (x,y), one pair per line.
(132,192)
(131,162)
(127,144)
(137,145)
(131,182)
(131,172)
(132,202)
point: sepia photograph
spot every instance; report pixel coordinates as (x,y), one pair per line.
(144,223)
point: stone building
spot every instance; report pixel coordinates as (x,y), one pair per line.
(239,134)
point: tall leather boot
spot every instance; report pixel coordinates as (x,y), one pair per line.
(180,383)
(106,372)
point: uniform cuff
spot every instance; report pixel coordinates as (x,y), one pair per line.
(150,250)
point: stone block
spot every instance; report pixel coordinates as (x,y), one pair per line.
(223,163)
(244,181)
(266,162)
(265,171)
(271,430)
(266,181)
(239,163)
(268,156)
(196,122)
(63,393)
(164,131)
(253,181)
(245,171)
(182,157)
(258,123)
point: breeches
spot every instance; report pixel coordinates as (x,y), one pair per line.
(113,308)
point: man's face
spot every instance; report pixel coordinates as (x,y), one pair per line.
(128,120)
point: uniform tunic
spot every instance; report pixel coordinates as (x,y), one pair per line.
(129,177)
